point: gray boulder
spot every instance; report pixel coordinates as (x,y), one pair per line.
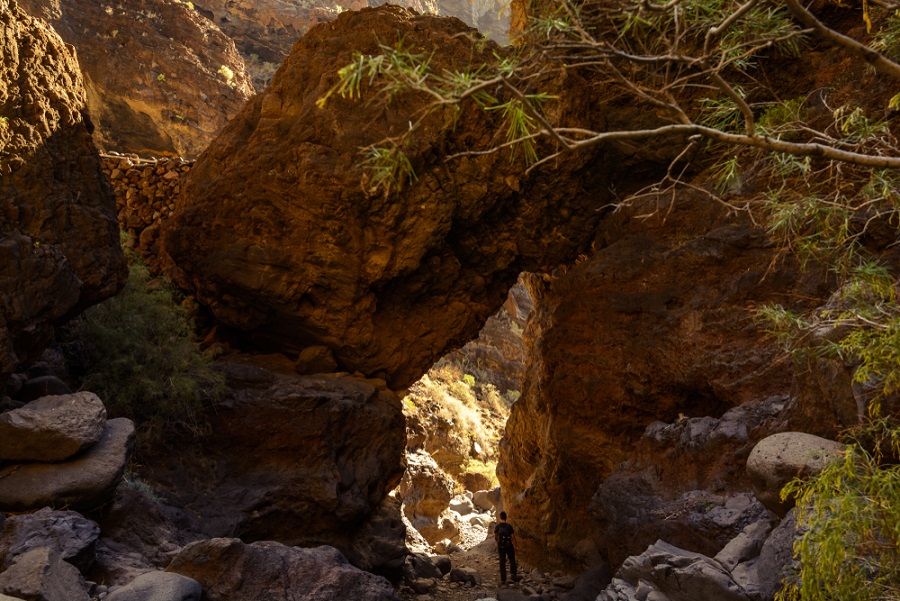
(229,569)
(82,483)
(8,598)
(462,505)
(680,575)
(420,565)
(778,459)
(776,558)
(52,428)
(482,500)
(70,534)
(466,576)
(41,575)
(745,546)
(158,586)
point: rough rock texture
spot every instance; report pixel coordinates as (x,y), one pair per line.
(673,482)
(41,575)
(52,428)
(274,232)
(70,534)
(776,558)
(778,459)
(155,72)
(680,575)
(265,30)
(140,535)
(302,460)
(229,569)
(59,241)
(380,545)
(656,325)
(84,482)
(426,492)
(158,586)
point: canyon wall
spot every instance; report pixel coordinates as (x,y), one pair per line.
(59,241)
(657,325)
(161,79)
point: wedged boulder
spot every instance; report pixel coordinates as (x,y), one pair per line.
(52,428)
(778,459)
(681,575)
(277,234)
(229,569)
(41,575)
(656,325)
(81,483)
(158,586)
(303,460)
(161,78)
(71,535)
(59,248)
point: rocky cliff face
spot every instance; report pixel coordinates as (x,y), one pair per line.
(274,232)
(161,78)
(657,325)
(59,242)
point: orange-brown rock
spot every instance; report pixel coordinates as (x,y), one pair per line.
(274,232)
(657,325)
(59,242)
(161,78)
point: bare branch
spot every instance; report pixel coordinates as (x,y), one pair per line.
(881,63)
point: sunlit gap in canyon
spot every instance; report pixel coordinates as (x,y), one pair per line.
(455,417)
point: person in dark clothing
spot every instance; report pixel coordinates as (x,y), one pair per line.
(506,546)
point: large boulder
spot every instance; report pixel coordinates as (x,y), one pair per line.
(71,535)
(160,77)
(59,244)
(679,575)
(52,428)
(303,460)
(230,569)
(657,325)
(84,482)
(782,457)
(42,575)
(278,234)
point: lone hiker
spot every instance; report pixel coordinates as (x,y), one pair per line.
(506,546)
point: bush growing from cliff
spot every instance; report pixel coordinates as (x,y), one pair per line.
(139,354)
(851,517)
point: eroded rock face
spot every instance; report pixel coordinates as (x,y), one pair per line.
(161,78)
(59,241)
(229,569)
(274,232)
(304,460)
(657,324)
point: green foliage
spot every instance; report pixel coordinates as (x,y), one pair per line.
(388,167)
(140,356)
(161,77)
(469,379)
(850,513)
(227,74)
(887,39)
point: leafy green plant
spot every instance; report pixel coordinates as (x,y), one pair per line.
(850,516)
(161,77)
(139,354)
(227,74)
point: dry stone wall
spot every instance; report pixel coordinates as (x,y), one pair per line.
(146,190)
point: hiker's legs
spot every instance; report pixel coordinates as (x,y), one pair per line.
(503,565)
(512,563)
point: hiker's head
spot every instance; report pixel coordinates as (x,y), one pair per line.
(502,516)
